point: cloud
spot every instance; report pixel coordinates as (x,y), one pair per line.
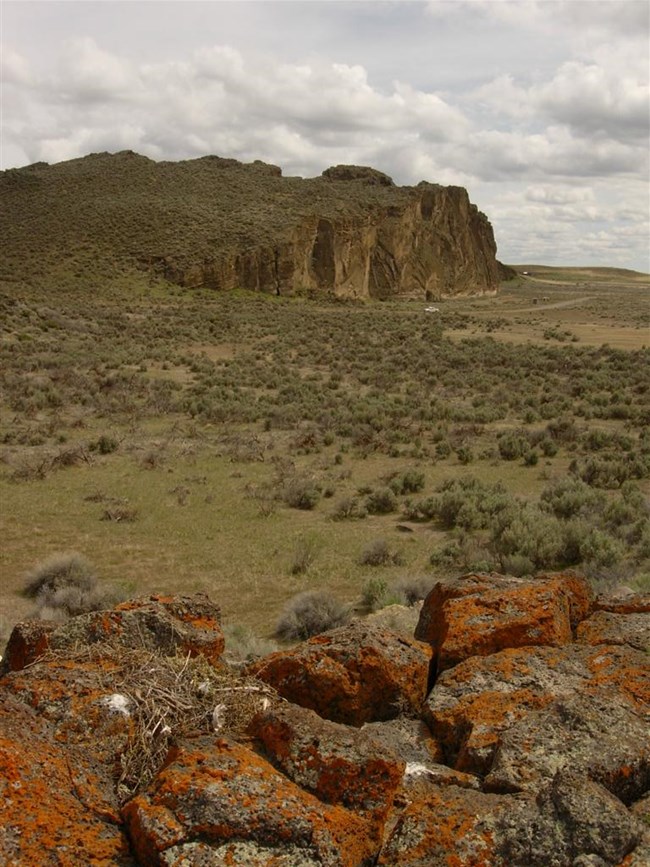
(531,104)
(219,97)
(590,99)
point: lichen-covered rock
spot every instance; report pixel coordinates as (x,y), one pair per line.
(162,624)
(409,739)
(629,603)
(474,703)
(218,793)
(448,827)
(337,763)
(607,627)
(482,613)
(28,641)
(602,737)
(571,818)
(55,809)
(355,674)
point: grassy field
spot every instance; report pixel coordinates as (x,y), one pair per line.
(253,447)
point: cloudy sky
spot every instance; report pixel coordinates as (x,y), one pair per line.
(539,107)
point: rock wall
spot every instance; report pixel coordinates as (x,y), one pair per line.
(512,733)
(431,243)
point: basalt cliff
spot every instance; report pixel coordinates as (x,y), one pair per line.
(220,224)
(511,730)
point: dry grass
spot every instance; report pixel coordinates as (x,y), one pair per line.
(166,698)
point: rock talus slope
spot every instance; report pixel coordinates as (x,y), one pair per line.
(512,732)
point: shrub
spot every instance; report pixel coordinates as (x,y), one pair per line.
(381,502)
(65,585)
(512,446)
(570,497)
(374,594)
(242,645)
(601,550)
(311,613)
(301,493)
(303,556)
(105,444)
(409,482)
(465,455)
(563,429)
(413,588)
(525,531)
(349,508)
(548,447)
(379,553)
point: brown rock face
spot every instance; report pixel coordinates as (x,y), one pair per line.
(419,242)
(353,675)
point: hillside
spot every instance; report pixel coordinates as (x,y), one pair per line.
(221,224)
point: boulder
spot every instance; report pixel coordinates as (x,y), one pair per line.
(337,763)
(55,808)
(161,624)
(217,793)
(410,739)
(447,823)
(473,704)
(355,674)
(482,613)
(629,603)
(607,627)
(572,818)
(28,641)
(601,737)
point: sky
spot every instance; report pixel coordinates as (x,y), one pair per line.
(540,108)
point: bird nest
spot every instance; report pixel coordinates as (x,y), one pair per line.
(167,698)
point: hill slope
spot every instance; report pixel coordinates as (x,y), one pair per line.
(221,224)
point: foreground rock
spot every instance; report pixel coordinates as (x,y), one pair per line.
(474,704)
(124,740)
(571,818)
(337,763)
(353,675)
(161,624)
(55,808)
(481,613)
(216,792)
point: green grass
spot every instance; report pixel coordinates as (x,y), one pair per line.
(214,401)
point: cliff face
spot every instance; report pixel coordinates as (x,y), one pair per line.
(432,243)
(220,224)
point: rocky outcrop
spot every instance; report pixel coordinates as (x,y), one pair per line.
(429,243)
(354,675)
(220,224)
(513,733)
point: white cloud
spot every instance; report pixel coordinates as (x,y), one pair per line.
(589,98)
(531,104)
